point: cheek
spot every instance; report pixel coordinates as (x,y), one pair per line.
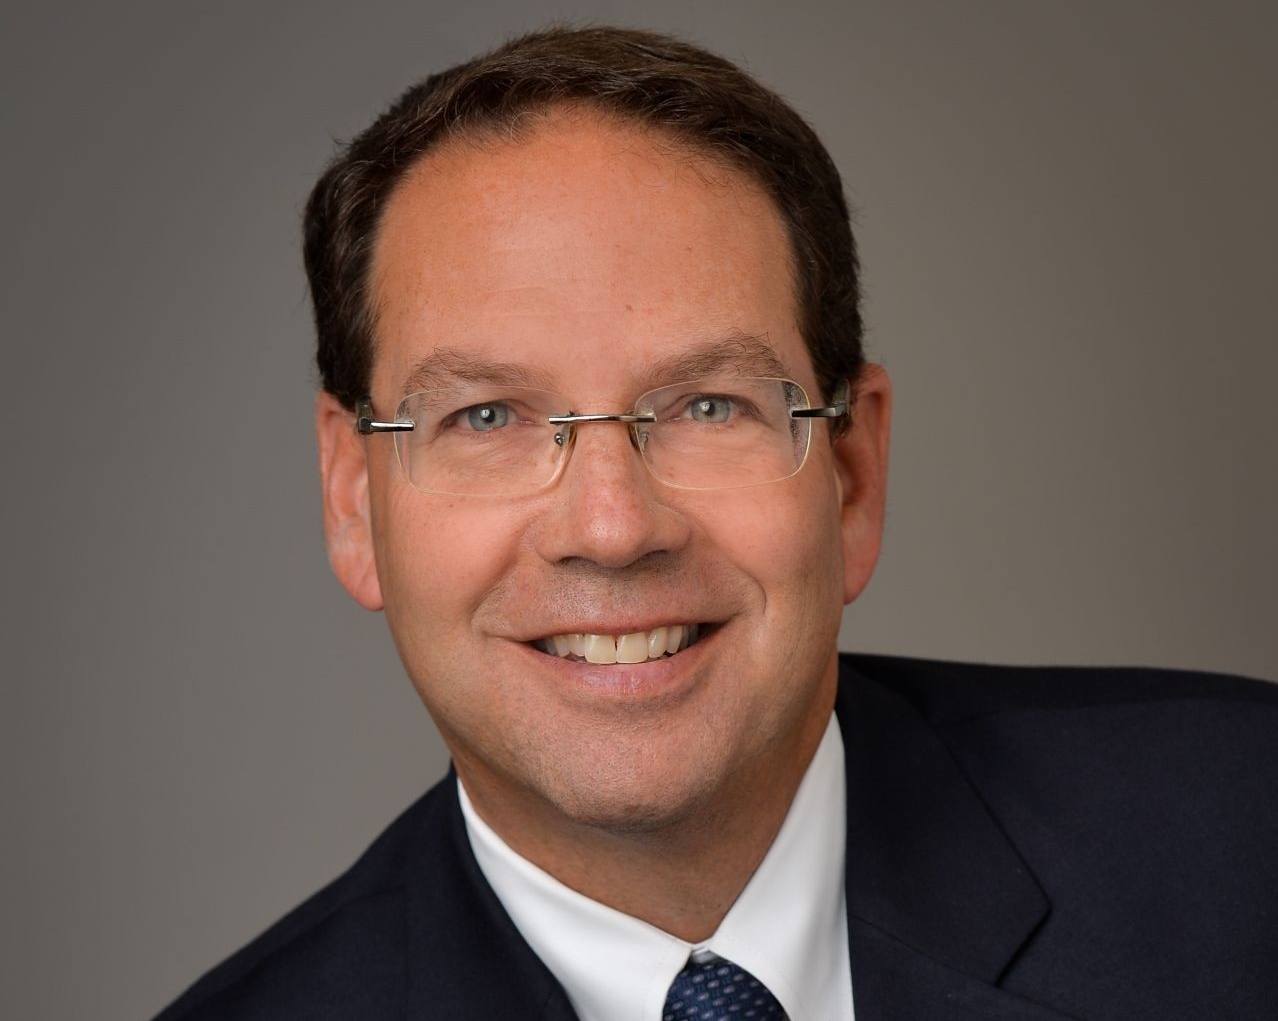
(786,537)
(439,556)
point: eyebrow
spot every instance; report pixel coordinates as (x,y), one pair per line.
(743,354)
(446,367)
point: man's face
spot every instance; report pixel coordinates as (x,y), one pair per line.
(582,256)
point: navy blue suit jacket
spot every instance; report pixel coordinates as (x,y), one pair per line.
(1032,844)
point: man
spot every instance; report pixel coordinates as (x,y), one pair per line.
(597,434)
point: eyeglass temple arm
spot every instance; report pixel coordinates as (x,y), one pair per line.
(832,411)
(836,410)
(366,425)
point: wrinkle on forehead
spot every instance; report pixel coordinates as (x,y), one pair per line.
(468,241)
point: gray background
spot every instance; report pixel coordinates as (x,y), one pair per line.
(1067,219)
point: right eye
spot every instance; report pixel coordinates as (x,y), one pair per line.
(710,409)
(484,417)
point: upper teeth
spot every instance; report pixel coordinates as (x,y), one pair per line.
(632,648)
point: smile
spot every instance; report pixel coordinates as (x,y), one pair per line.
(637,647)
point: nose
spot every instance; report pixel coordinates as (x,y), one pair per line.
(606,508)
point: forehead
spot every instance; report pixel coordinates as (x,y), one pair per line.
(584,250)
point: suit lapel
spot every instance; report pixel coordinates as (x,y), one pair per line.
(939,903)
(894,982)
(466,958)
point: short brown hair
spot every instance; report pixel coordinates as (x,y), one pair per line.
(702,100)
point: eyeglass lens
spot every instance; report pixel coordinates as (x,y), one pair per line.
(716,433)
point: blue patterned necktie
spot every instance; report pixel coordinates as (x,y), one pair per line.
(718,990)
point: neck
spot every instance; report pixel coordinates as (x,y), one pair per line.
(681,876)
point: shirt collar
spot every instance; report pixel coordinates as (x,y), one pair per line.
(788,927)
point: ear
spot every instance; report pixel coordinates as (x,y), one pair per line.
(348,526)
(861,460)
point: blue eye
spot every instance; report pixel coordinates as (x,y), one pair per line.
(710,409)
(487,417)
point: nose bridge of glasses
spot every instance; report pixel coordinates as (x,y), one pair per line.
(567,425)
(571,419)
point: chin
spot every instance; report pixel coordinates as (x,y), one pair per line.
(627,801)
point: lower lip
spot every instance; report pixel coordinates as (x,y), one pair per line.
(656,679)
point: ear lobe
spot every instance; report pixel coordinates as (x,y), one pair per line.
(348,526)
(861,460)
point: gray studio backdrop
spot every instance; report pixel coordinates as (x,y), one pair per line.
(1067,220)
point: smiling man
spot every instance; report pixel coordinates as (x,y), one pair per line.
(600,260)
(597,435)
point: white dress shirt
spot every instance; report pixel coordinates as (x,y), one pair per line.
(788,928)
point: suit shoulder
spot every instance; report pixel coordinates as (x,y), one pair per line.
(333,955)
(1091,763)
(946,692)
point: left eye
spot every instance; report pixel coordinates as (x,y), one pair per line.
(710,409)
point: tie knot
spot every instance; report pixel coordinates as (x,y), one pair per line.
(718,990)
